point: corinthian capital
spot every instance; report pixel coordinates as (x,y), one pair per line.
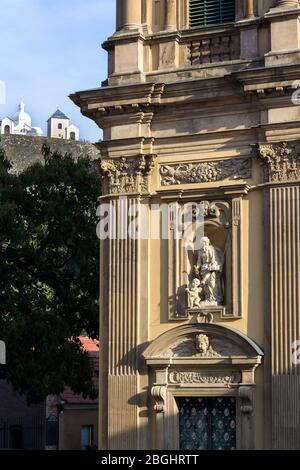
(281,161)
(126,175)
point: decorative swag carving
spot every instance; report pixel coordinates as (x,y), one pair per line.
(205,172)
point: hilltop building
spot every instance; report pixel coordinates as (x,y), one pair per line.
(59,127)
(20,123)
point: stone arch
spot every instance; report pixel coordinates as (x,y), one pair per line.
(233,340)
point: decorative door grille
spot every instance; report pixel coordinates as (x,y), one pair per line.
(207,423)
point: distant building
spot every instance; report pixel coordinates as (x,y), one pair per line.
(22,427)
(20,124)
(72,420)
(59,127)
(64,422)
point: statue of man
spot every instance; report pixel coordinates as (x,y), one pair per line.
(209,268)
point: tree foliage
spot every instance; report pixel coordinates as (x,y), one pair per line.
(48,274)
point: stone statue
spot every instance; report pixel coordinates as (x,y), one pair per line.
(193,292)
(204,348)
(209,268)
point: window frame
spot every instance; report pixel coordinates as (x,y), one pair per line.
(210,24)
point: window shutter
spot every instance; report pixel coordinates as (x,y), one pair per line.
(211,12)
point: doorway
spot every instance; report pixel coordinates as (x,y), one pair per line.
(207,423)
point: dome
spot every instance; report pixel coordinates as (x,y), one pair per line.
(21,117)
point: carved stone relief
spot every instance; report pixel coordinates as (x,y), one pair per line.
(127,175)
(195,377)
(202,346)
(205,172)
(281,161)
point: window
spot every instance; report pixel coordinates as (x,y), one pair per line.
(211,12)
(7,130)
(86,437)
(59,126)
(16,437)
(72,136)
(52,431)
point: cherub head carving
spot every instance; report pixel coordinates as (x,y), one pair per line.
(202,344)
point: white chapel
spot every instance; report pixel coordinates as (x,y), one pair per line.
(20,123)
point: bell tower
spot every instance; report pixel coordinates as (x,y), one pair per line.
(199,110)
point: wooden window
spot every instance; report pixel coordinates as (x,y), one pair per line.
(211,12)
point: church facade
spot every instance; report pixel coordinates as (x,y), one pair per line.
(200,317)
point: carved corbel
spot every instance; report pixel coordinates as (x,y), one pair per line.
(246,397)
(159,393)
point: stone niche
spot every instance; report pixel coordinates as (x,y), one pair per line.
(204,360)
(215,272)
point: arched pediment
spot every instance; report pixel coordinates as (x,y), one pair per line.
(202,341)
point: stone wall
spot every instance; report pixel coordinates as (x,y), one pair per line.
(23,151)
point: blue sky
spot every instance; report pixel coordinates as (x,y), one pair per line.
(49,49)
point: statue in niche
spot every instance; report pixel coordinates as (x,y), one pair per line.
(209,269)
(194,291)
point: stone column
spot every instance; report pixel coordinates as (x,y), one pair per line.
(282,174)
(129,14)
(171,15)
(250,9)
(287,4)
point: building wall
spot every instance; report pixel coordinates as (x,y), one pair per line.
(23,151)
(70,424)
(200,98)
(53,128)
(14,411)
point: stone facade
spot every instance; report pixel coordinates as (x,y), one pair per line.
(24,151)
(208,116)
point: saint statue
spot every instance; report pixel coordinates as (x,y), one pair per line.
(209,269)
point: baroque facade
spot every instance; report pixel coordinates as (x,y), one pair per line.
(197,338)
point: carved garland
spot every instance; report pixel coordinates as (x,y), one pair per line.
(205,172)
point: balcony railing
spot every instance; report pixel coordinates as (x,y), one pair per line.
(214,48)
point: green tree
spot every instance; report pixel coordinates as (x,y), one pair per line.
(48,274)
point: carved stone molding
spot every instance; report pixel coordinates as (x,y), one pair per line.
(159,394)
(281,161)
(127,175)
(186,374)
(194,377)
(205,172)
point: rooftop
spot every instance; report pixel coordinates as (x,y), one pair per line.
(58,115)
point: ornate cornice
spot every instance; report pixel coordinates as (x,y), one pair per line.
(127,175)
(281,161)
